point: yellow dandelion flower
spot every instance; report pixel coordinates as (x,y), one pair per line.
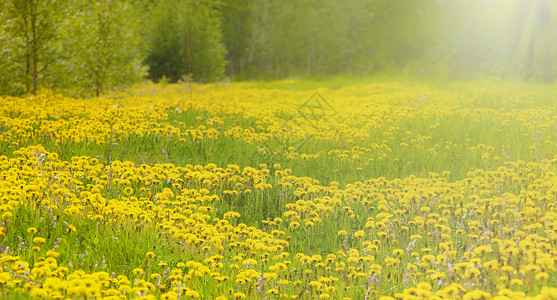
(272,291)
(6,215)
(138,271)
(482,250)
(542,276)
(516,282)
(39,240)
(71,228)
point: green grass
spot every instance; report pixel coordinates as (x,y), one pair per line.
(93,247)
(101,247)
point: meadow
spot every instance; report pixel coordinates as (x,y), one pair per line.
(294,189)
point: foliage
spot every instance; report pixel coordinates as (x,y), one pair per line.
(87,48)
(101,48)
(236,32)
(11,81)
(27,33)
(185,39)
(285,38)
(83,48)
(457,39)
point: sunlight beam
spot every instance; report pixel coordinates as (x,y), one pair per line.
(511,38)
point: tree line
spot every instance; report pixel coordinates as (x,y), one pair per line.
(87,47)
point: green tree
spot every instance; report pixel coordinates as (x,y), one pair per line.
(185,38)
(27,32)
(12,79)
(236,29)
(82,47)
(101,48)
(309,37)
(315,37)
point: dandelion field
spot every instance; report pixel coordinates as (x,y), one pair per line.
(282,190)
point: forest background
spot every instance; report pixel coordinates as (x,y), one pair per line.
(88,48)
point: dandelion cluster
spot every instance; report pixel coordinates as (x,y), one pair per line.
(379,198)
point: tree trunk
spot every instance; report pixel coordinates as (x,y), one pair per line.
(25,16)
(34,49)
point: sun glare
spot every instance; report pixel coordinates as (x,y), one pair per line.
(510,34)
